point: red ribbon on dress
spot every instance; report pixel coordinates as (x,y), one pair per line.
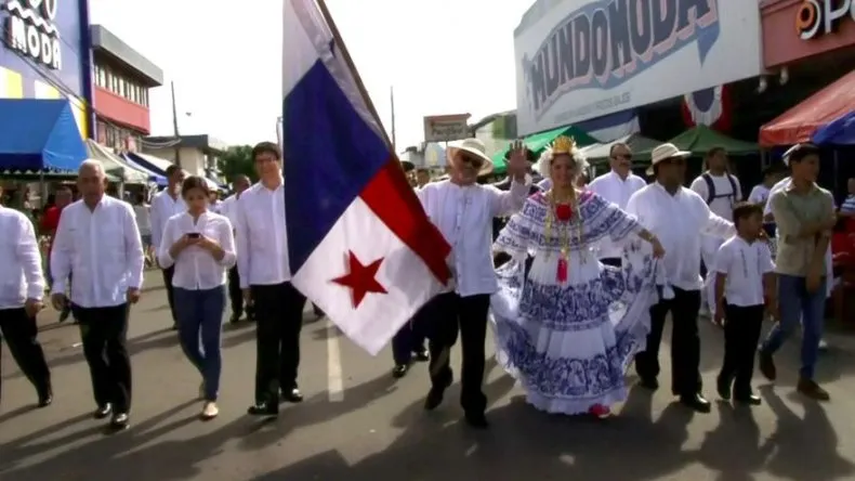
(561,275)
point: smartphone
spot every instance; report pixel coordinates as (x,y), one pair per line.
(194,235)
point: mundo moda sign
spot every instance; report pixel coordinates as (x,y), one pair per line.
(576,63)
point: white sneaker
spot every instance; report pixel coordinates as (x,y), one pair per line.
(210,411)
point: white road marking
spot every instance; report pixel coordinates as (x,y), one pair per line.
(335,387)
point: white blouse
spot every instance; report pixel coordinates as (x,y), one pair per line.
(464,215)
(102,247)
(617,191)
(677,220)
(262,241)
(195,267)
(21,276)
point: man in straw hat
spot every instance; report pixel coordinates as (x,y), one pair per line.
(676,215)
(804,214)
(463,211)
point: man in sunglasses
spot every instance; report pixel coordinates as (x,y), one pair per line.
(616,187)
(463,211)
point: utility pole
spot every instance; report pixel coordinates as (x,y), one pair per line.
(392,102)
(175,127)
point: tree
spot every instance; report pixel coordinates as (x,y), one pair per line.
(237,160)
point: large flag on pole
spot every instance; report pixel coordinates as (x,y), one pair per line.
(359,243)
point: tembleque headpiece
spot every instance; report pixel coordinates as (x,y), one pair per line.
(563,145)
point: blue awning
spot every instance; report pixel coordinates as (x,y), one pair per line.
(840,131)
(153,175)
(39,134)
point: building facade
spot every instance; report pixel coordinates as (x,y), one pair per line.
(197,154)
(122,80)
(796,30)
(45,53)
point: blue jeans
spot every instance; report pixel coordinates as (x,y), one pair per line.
(796,306)
(200,315)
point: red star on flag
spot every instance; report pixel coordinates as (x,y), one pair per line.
(361,279)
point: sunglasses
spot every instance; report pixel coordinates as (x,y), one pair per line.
(675,161)
(471,160)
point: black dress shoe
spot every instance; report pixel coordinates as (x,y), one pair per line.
(400,370)
(120,422)
(263,409)
(292,395)
(724,386)
(45,400)
(696,402)
(767,365)
(435,395)
(476,420)
(749,400)
(422,355)
(103,411)
(649,383)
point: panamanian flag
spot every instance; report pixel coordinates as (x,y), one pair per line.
(359,243)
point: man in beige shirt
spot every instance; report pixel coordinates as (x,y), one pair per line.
(804,213)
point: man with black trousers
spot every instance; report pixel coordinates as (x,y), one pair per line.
(229,209)
(164,205)
(265,278)
(463,211)
(22,286)
(99,241)
(678,217)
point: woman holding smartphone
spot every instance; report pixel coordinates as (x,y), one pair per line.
(200,244)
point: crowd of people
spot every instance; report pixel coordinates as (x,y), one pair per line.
(579,278)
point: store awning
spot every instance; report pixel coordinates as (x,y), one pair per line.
(838,132)
(699,140)
(154,174)
(800,122)
(116,165)
(640,145)
(538,142)
(39,134)
(159,166)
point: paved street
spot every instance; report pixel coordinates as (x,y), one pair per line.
(357,423)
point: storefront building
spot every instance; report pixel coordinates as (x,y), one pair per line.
(578,60)
(45,53)
(122,80)
(796,30)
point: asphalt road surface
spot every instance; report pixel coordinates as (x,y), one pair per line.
(357,423)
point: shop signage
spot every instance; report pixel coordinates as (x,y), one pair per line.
(445,128)
(578,63)
(821,17)
(31,30)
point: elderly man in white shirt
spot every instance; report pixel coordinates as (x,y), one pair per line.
(229,209)
(22,287)
(164,205)
(98,240)
(265,277)
(463,211)
(617,187)
(676,215)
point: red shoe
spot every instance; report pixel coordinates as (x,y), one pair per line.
(599,411)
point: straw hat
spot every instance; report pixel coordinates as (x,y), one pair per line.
(473,147)
(665,152)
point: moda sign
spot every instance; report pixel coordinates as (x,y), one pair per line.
(31,30)
(821,17)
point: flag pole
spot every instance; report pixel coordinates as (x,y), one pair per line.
(322,6)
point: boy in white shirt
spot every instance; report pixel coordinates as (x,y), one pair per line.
(744,286)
